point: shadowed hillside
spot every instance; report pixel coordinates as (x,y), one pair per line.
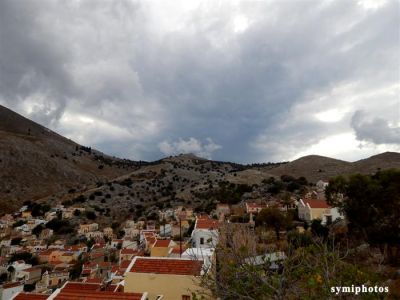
(36,162)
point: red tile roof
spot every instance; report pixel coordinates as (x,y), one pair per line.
(105,264)
(93,280)
(32,269)
(86,272)
(30,296)
(11,285)
(316,203)
(125,264)
(128,251)
(96,295)
(166,266)
(162,243)
(207,224)
(82,286)
(255,205)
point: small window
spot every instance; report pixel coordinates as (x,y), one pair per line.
(201,243)
(185,297)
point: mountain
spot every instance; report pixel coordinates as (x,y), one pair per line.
(41,165)
(36,162)
(315,167)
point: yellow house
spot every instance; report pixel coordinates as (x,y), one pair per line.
(26,214)
(68,257)
(311,209)
(161,248)
(171,278)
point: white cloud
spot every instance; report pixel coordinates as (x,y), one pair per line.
(190,145)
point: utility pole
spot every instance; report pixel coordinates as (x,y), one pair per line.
(180,237)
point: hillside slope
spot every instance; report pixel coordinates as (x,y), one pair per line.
(36,162)
(315,167)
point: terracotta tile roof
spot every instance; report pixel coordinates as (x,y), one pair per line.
(125,264)
(207,224)
(255,205)
(96,255)
(162,243)
(166,266)
(90,265)
(105,264)
(222,205)
(93,280)
(30,296)
(111,288)
(32,269)
(96,295)
(45,252)
(129,251)
(316,203)
(206,217)
(72,248)
(86,272)
(150,240)
(81,286)
(11,285)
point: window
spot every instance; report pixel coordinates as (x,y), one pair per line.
(328,220)
(201,241)
(185,297)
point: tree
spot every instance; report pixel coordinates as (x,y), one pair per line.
(3,277)
(371,205)
(38,229)
(308,270)
(272,218)
(91,215)
(287,200)
(318,229)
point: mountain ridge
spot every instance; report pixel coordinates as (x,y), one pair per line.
(37,163)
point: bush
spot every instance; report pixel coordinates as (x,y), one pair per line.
(91,215)
(60,226)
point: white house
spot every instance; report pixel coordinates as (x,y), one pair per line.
(9,290)
(205,233)
(321,185)
(312,209)
(204,254)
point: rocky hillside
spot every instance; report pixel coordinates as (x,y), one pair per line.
(36,162)
(315,167)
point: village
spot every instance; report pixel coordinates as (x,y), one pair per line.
(153,260)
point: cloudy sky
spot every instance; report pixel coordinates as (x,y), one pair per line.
(245,81)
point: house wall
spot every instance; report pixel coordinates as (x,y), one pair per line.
(159,251)
(173,287)
(334,212)
(304,213)
(210,238)
(318,213)
(7,294)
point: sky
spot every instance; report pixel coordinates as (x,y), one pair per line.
(243,81)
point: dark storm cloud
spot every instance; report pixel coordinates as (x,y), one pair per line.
(375,129)
(245,81)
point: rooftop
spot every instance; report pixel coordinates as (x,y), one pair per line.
(171,266)
(162,243)
(206,224)
(316,203)
(30,296)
